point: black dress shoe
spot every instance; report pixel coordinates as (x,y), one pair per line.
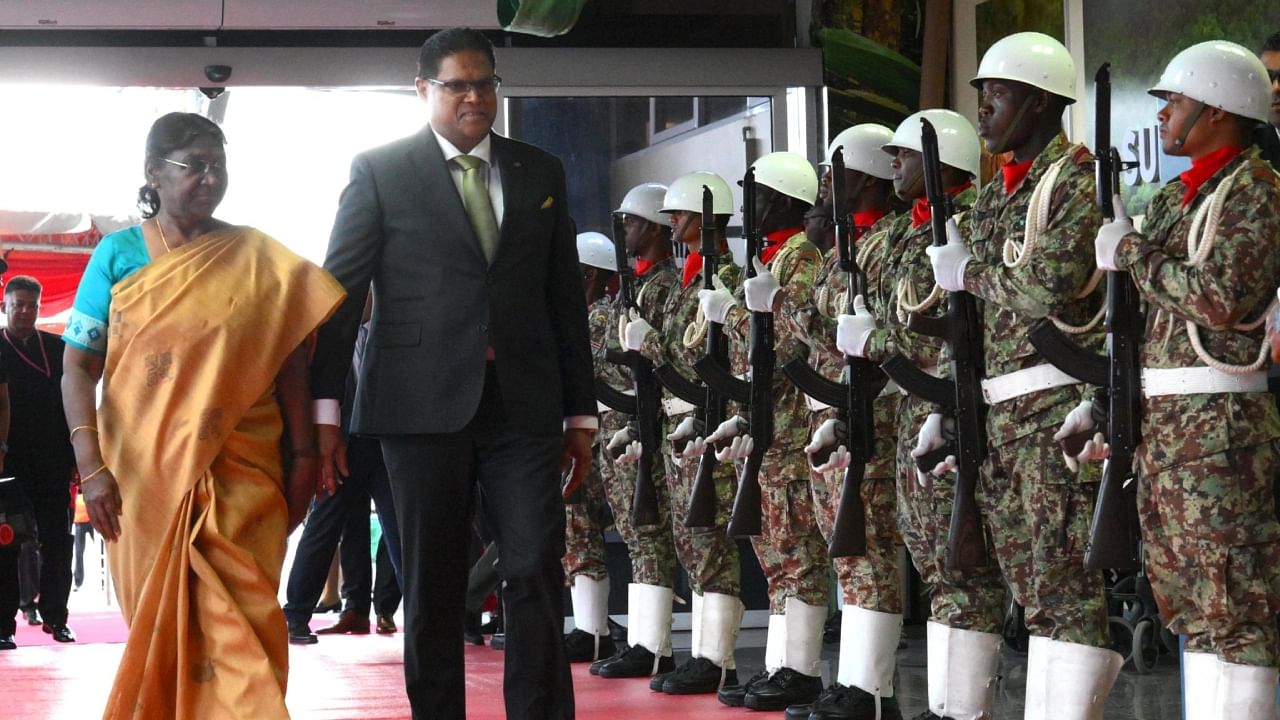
(580,646)
(735,695)
(850,703)
(60,632)
(471,630)
(349,623)
(620,645)
(32,615)
(655,682)
(698,676)
(785,687)
(8,643)
(498,641)
(387,625)
(636,661)
(300,634)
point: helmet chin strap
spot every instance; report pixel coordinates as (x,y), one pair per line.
(1188,125)
(1017,120)
(768,207)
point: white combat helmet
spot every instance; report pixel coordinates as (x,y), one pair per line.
(1220,74)
(597,251)
(686,194)
(1032,58)
(862,149)
(788,173)
(958,144)
(645,201)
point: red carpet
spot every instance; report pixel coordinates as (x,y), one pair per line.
(341,678)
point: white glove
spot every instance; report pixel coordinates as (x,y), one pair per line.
(683,437)
(761,289)
(729,428)
(1110,235)
(740,447)
(692,450)
(827,434)
(632,453)
(620,439)
(932,436)
(854,331)
(1081,420)
(632,334)
(715,304)
(949,260)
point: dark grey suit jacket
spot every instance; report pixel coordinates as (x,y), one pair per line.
(401,227)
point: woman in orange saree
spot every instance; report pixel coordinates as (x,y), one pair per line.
(197,329)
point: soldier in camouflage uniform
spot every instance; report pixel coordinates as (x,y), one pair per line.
(708,554)
(583,561)
(649,595)
(791,549)
(871,584)
(1027,259)
(900,283)
(1206,265)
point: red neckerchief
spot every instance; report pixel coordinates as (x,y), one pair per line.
(643,266)
(862,221)
(1204,167)
(47,370)
(692,266)
(920,211)
(1014,174)
(774,241)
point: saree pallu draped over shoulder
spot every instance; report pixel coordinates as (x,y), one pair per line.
(191,429)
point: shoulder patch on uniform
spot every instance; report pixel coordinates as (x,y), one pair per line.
(1081,156)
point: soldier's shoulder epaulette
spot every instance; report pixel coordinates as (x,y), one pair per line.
(1262,171)
(1081,155)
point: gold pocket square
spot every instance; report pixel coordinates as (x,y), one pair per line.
(548,202)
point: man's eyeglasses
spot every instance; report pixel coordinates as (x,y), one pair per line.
(200,168)
(464,87)
(1275,75)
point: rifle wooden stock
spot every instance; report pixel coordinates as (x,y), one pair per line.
(1114,534)
(747,518)
(703,501)
(849,534)
(644,503)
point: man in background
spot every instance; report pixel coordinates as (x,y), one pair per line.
(41,457)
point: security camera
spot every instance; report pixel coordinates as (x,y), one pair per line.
(212,92)
(217,73)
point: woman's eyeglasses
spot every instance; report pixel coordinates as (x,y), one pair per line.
(200,168)
(463,87)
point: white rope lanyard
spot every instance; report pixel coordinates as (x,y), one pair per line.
(1200,239)
(1018,254)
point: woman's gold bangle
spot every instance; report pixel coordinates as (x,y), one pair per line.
(78,428)
(92,475)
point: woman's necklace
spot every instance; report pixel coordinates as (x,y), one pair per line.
(160,227)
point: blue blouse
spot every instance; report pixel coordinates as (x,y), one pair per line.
(117,256)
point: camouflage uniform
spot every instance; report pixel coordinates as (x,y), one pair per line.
(583,530)
(650,546)
(1208,461)
(709,555)
(790,549)
(872,581)
(1038,511)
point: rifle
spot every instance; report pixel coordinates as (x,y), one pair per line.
(647,403)
(757,394)
(966,542)
(1114,536)
(702,499)
(855,398)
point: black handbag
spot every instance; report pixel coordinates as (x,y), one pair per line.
(17,516)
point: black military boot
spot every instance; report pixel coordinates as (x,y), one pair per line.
(581,646)
(735,695)
(804,710)
(620,647)
(636,661)
(785,687)
(852,703)
(698,676)
(928,715)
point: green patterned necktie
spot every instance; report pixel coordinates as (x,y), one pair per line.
(475,196)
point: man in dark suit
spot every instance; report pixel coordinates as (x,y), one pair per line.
(478,371)
(1269,135)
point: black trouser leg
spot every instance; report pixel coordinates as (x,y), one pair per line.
(53,523)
